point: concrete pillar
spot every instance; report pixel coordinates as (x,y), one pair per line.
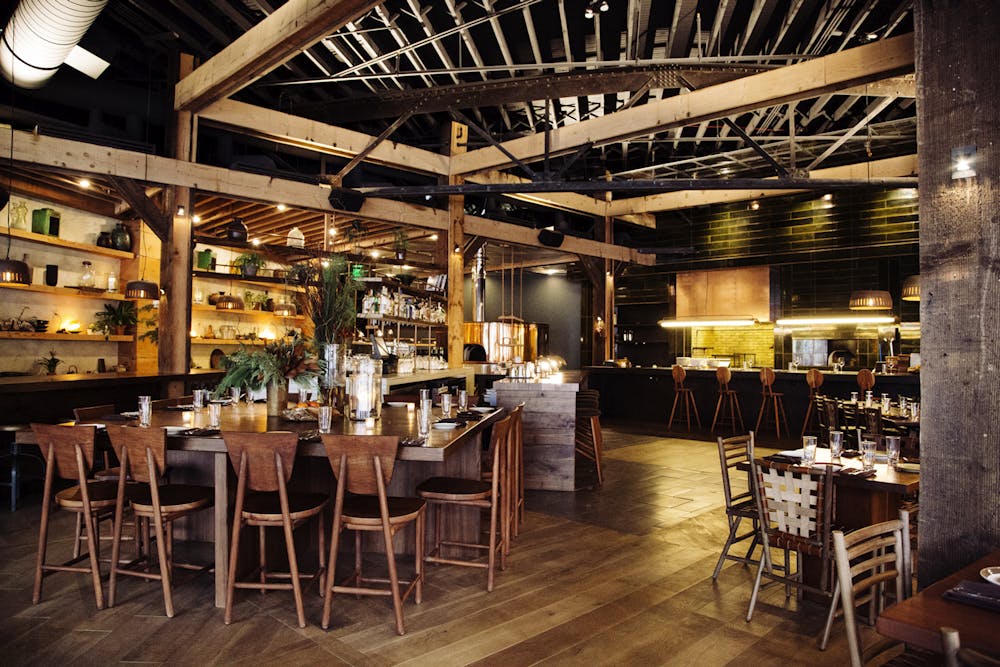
(958,90)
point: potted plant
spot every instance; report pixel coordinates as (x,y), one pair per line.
(116,318)
(254,300)
(400,243)
(270,367)
(49,363)
(299,274)
(248,263)
(331,304)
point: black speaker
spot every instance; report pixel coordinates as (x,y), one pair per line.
(4,197)
(549,237)
(346,199)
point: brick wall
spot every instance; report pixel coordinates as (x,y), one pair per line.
(754,343)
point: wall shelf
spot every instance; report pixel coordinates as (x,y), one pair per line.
(227,341)
(400,320)
(34,335)
(91,249)
(68,291)
(260,281)
(263,314)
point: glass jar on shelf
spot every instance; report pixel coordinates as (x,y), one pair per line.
(87,275)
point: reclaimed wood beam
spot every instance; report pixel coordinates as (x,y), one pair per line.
(292,28)
(844,69)
(134,193)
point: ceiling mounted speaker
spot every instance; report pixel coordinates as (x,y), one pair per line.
(346,199)
(550,238)
(4,197)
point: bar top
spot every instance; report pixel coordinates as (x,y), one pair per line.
(24,383)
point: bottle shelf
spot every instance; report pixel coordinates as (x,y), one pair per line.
(45,239)
(68,291)
(263,314)
(259,281)
(34,335)
(400,320)
(227,341)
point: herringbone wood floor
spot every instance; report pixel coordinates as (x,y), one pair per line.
(616,576)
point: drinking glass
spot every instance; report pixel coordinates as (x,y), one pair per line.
(892,450)
(234,395)
(425,394)
(836,444)
(867,454)
(424,417)
(808,450)
(868,399)
(199,398)
(885,403)
(446,405)
(854,397)
(463,400)
(145,410)
(915,411)
(214,415)
(325,418)
(248,396)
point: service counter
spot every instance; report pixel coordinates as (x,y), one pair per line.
(646,394)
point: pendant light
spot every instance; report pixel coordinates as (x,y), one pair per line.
(142,288)
(870,299)
(911,288)
(285,309)
(12,271)
(229,302)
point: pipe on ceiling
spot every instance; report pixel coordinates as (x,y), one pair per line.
(479,285)
(40,35)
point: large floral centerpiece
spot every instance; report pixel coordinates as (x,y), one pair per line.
(331,306)
(270,367)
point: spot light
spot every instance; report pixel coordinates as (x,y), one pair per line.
(333,231)
(828,197)
(754,205)
(434,237)
(457,249)
(281,207)
(195,218)
(963,161)
(181,211)
(84,183)
(255,242)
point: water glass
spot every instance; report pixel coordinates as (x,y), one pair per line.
(808,450)
(915,411)
(892,450)
(424,417)
(145,410)
(234,395)
(425,394)
(325,418)
(446,405)
(868,399)
(854,397)
(867,454)
(214,415)
(248,396)
(885,403)
(836,444)
(463,400)
(199,398)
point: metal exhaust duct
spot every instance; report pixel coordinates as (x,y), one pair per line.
(479,285)
(40,36)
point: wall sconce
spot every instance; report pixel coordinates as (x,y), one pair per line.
(181,211)
(963,160)
(754,205)
(457,249)
(599,327)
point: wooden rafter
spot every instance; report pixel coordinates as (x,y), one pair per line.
(135,195)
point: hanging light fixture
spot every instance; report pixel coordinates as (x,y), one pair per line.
(911,288)
(229,302)
(284,309)
(12,271)
(870,299)
(142,288)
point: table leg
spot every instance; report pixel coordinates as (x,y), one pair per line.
(221,526)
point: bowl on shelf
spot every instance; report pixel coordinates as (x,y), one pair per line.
(41,326)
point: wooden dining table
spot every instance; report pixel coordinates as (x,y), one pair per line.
(455,452)
(919,619)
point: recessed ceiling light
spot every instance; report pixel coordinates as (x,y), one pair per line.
(374,254)
(754,205)
(196,218)
(84,183)
(333,231)
(256,242)
(281,207)
(434,237)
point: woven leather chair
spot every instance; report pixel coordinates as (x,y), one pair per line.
(742,505)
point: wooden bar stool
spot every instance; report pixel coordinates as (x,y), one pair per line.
(363,465)
(588,439)
(143,452)
(69,454)
(866,381)
(685,396)
(263,463)
(814,378)
(440,491)
(771,401)
(727,399)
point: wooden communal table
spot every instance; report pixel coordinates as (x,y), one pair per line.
(455,452)
(918,620)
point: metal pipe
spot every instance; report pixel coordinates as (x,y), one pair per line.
(479,285)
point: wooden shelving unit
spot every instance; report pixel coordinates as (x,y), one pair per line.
(88,248)
(34,335)
(67,291)
(261,314)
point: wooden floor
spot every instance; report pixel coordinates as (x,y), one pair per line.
(616,576)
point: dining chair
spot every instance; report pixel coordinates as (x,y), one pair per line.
(91,413)
(685,396)
(795,510)
(871,562)
(823,429)
(69,454)
(728,399)
(363,466)
(955,655)
(263,463)
(143,453)
(739,505)
(517,464)
(443,491)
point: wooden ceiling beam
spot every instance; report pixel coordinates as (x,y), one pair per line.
(292,28)
(81,157)
(844,69)
(319,137)
(72,197)
(905,165)
(134,193)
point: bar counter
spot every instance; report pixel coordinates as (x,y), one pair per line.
(50,398)
(646,394)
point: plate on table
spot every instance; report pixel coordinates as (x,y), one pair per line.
(482,409)
(397,404)
(991,574)
(445,426)
(174,430)
(903,466)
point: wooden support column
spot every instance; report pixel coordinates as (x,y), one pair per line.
(175,259)
(958,91)
(456,261)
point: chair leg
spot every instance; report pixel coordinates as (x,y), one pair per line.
(777,425)
(293,565)
(491,559)
(761,414)
(164,558)
(331,572)
(807,422)
(735,401)
(694,409)
(595,427)
(234,552)
(262,556)
(390,556)
(764,562)
(830,616)
(734,523)
(718,408)
(421,528)
(43,531)
(95,568)
(670,422)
